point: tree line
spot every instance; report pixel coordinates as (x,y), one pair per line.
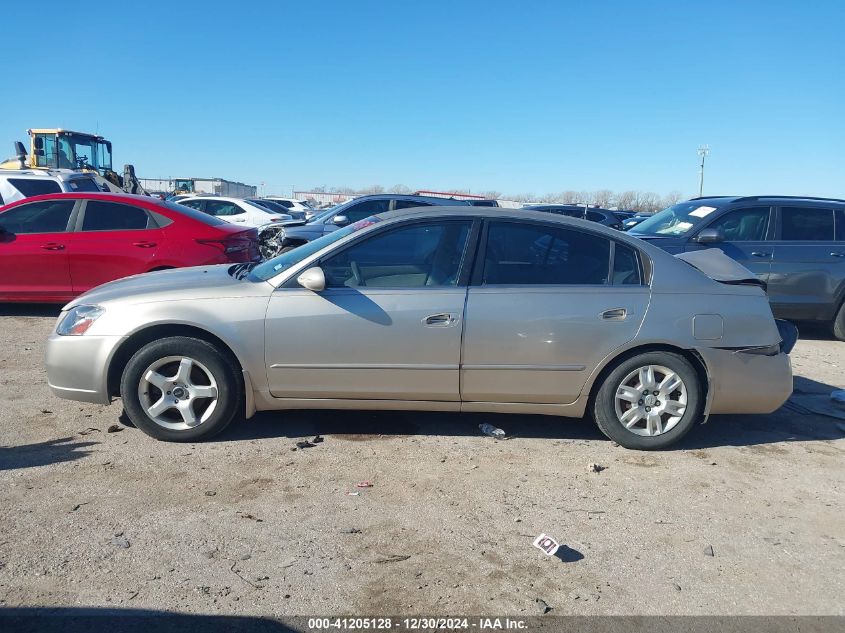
(632,199)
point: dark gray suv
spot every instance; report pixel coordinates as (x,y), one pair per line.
(296,234)
(795,245)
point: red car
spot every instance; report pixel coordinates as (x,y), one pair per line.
(57,246)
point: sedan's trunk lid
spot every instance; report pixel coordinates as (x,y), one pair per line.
(719,267)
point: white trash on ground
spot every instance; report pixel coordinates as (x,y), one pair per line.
(838,396)
(492,431)
(546,544)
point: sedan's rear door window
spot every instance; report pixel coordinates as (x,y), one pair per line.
(534,254)
(112,216)
(806,224)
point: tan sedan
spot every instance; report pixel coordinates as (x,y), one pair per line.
(444,309)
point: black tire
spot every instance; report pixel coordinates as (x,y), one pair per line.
(604,411)
(839,323)
(220,365)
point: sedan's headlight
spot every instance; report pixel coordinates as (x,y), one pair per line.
(77,320)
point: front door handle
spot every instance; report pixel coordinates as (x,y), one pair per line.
(614,314)
(837,254)
(443,319)
(52,246)
(144,244)
(761,254)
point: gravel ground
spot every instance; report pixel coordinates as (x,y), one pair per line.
(745,517)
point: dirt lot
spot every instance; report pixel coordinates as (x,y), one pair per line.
(245,525)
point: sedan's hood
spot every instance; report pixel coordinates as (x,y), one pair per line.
(199,282)
(304,230)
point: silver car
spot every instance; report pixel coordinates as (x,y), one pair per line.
(439,309)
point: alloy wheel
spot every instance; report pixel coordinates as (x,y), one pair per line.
(178,392)
(650,400)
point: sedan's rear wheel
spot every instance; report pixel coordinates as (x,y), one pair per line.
(180,389)
(839,323)
(649,401)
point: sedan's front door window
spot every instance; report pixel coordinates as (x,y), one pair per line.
(533,254)
(415,256)
(49,216)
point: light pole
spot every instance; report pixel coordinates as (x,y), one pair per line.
(703,151)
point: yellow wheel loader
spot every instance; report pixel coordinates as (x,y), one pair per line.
(55,148)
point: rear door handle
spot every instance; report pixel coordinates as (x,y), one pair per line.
(144,244)
(443,319)
(761,254)
(52,246)
(837,254)
(614,314)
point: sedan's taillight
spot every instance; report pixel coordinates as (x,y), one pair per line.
(242,247)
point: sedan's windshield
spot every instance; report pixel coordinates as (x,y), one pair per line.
(678,219)
(273,267)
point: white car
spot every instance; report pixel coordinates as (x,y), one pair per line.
(294,205)
(234,210)
(16,184)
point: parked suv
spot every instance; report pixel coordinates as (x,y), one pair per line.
(796,245)
(296,234)
(17,184)
(593,214)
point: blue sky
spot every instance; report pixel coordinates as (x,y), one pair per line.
(512,96)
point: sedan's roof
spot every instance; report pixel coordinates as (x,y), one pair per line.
(215,198)
(494,212)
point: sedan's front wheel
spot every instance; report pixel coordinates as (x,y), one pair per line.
(649,401)
(180,389)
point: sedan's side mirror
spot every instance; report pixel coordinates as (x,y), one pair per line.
(340,220)
(710,236)
(313,279)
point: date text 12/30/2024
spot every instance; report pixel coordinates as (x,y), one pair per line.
(417,623)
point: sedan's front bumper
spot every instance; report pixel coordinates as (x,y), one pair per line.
(77,366)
